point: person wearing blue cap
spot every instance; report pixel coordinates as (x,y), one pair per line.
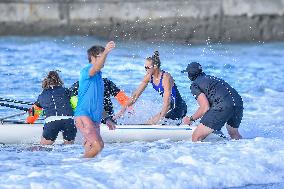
(219,104)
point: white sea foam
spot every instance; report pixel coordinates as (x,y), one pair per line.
(255,162)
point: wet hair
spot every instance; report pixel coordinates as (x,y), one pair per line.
(52,79)
(94,51)
(155,58)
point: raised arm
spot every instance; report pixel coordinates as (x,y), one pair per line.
(99,64)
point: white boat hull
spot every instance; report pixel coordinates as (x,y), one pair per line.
(31,133)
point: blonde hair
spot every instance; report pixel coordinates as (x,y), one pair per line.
(52,79)
(155,58)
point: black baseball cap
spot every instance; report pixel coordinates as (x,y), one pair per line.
(193,68)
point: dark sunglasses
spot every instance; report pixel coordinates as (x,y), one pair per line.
(147,67)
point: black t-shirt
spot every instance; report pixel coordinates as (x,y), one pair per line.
(110,89)
(218,92)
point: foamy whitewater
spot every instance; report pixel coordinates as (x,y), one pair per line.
(255,70)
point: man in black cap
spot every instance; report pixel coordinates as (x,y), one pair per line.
(219,104)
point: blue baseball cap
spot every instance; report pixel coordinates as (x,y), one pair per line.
(193,68)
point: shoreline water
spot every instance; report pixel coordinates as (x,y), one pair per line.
(255,70)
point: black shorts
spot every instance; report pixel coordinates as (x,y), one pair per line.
(67,126)
(216,118)
(177,112)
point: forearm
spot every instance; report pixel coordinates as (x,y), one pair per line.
(199,113)
(99,64)
(136,95)
(165,109)
(132,100)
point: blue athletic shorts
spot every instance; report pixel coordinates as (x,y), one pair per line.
(67,126)
(216,118)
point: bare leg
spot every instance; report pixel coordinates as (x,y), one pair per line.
(91,132)
(201,132)
(68,142)
(46,142)
(233,132)
(92,149)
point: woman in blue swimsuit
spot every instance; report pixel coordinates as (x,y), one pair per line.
(174,107)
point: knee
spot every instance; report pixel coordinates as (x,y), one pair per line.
(89,131)
(196,138)
(68,142)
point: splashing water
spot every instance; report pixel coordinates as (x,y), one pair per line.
(255,70)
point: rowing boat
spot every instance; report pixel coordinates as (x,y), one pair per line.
(19,133)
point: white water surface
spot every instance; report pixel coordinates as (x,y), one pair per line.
(255,70)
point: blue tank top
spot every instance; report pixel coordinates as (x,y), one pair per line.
(175,95)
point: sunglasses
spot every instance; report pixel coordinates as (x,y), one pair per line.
(147,67)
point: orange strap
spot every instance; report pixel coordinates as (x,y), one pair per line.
(122,98)
(31,119)
(34,114)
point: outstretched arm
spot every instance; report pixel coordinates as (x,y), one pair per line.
(134,96)
(138,91)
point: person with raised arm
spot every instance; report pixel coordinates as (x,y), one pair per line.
(89,110)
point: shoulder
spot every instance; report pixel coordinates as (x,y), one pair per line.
(107,81)
(85,69)
(147,78)
(76,84)
(167,78)
(194,85)
(167,75)
(59,88)
(42,93)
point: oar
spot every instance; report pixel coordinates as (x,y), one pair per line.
(15,101)
(14,106)
(15,115)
